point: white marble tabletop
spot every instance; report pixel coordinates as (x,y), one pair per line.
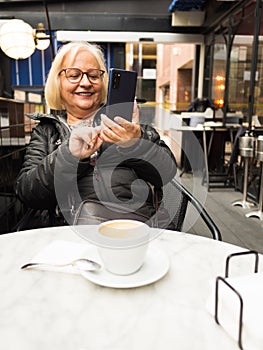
(48,310)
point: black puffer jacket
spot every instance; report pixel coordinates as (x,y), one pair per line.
(51,175)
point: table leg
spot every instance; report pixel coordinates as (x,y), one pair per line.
(206,175)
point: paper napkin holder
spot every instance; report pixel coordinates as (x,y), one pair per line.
(238,293)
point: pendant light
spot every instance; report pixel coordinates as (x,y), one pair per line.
(17,39)
(42,40)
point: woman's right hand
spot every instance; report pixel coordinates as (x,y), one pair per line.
(84,141)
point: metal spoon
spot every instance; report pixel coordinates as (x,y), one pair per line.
(81,264)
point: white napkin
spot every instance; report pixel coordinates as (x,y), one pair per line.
(60,252)
(250,287)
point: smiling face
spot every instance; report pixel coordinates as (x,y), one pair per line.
(81,99)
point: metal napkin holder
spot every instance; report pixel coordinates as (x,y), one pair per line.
(223,280)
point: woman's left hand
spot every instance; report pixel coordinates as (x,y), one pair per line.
(121,131)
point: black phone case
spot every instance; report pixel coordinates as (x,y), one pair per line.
(121,93)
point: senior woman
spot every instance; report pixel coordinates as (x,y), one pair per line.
(81,156)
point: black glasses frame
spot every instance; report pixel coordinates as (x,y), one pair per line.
(102,72)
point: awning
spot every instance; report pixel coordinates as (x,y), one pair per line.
(186,5)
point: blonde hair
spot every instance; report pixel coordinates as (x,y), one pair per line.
(52,87)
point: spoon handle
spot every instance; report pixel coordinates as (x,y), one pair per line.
(81,264)
(32,265)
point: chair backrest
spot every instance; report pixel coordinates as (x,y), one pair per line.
(200,105)
(37,218)
(176,199)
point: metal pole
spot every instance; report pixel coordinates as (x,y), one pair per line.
(254,62)
(49,30)
(229,43)
(211,66)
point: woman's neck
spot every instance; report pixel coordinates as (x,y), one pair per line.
(72,119)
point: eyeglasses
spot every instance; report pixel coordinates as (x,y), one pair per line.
(75,75)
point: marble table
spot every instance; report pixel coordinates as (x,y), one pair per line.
(62,311)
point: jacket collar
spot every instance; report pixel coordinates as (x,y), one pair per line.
(41,116)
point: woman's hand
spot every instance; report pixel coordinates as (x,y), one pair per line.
(121,131)
(84,141)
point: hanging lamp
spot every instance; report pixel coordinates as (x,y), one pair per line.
(17,39)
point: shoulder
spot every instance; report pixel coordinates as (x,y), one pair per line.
(44,118)
(46,121)
(49,127)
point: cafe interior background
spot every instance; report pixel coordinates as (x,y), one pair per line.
(181,50)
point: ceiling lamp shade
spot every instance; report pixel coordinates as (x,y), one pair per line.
(42,40)
(16,39)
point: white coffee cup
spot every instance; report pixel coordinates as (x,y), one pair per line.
(122,245)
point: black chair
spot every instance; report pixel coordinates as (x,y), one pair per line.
(177,199)
(200,105)
(175,202)
(37,218)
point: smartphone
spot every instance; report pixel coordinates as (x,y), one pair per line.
(121,93)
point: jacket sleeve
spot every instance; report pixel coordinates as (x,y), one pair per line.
(151,159)
(35,183)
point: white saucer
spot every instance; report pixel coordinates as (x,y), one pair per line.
(156,265)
